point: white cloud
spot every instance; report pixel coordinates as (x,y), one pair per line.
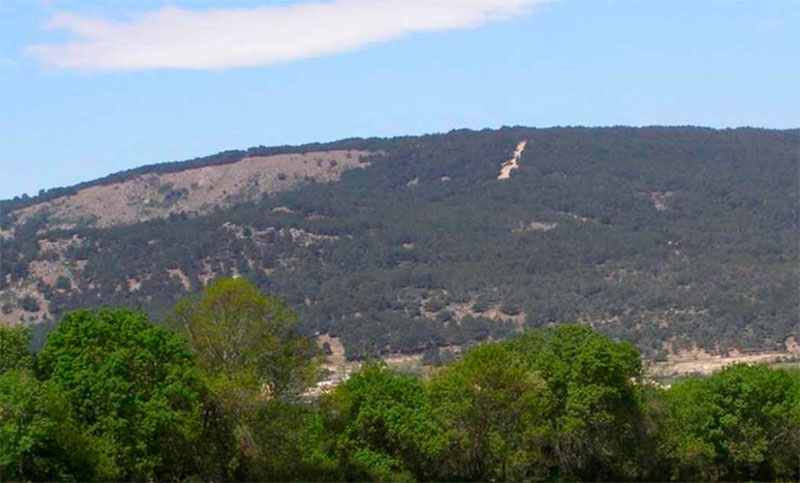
(172,37)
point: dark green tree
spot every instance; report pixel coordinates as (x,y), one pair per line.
(39,438)
(383,427)
(134,388)
(594,411)
(490,407)
(15,348)
(740,424)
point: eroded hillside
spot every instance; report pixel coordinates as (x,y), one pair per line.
(192,191)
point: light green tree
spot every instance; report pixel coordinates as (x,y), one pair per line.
(252,359)
(246,342)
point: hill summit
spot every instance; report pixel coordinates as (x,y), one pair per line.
(674,238)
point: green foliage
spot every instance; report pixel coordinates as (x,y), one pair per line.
(739,424)
(595,410)
(245,339)
(291,443)
(133,386)
(39,438)
(15,353)
(112,397)
(491,409)
(251,359)
(554,404)
(383,427)
(688,225)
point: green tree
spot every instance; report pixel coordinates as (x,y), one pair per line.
(490,406)
(291,444)
(133,387)
(246,340)
(15,350)
(250,355)
(383,426)
(39,439)
(594,410)
(739,424)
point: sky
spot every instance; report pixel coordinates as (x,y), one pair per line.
(88,88)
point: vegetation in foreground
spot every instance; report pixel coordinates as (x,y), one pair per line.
(217,393)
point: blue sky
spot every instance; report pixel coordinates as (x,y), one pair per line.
(90,88)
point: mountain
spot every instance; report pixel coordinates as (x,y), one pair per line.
(674,238)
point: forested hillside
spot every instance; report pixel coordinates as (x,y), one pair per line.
(664,237)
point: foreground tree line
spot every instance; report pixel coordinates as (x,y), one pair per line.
(216,392)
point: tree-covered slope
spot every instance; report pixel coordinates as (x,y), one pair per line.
(666,237)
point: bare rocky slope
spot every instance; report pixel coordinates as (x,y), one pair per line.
(192,191)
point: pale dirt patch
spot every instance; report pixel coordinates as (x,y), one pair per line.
(792,346)
(17,316)
(233,229)
(299,236)
(134,285)
(282,209)
(513,163)
(404,362)
(207,274)
(177,272)
(60,245)
(305,238)
(49,271)
(518,319)
(534,226)
(583,219)
(462,310)
(660,199)
(336,366)
(337,357)
(699,361)
(194,190)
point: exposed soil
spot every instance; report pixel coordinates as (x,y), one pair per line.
(513,163)
(698,361)
(193,190)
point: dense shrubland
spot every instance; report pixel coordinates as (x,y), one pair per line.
(217,392)
(684,235)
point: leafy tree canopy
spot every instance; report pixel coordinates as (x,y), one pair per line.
(741,423)
(133,386)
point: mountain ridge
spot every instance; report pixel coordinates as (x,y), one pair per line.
(234,155)
(671,237)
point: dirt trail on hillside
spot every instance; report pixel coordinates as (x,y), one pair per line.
(513,163)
